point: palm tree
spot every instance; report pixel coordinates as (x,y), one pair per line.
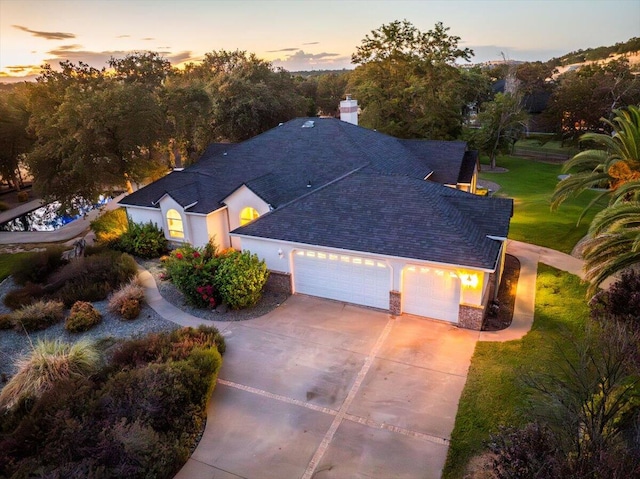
(614,233)
(614,243)
(616,163)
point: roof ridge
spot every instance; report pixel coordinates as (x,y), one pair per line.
(320,188)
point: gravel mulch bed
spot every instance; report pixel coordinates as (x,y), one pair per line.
(14,344)
(269,301)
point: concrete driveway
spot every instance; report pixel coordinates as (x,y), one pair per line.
(323,389)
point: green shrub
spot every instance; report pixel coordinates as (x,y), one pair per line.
(23,196)
(48,363)
(110,226)
(82,290)
(39,315)
(528,452)
(83,316)
(143,240)
(92,278)
(175,346)
(127,300)
(192,271)
(37,267)
(3,206)
(27,294)
(240,278)
(138,422)
(620,302)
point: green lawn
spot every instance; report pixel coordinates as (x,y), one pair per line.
(531,183)
(7,262)
(548,146)
(493,394)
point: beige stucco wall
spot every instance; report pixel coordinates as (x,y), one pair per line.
(144,215)
(242,198)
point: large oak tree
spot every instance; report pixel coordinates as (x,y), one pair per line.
(406,82)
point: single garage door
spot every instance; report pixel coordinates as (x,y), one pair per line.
(342,277)
(430,292)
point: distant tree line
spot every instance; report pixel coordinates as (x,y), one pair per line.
(82,131)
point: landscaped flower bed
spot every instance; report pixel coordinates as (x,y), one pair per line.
(132,410)
(207,277)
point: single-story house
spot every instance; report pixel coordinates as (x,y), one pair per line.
(347,213)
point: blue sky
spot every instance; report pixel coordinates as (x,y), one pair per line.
(296,34)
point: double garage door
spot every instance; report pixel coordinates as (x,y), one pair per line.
(342,277)
(426,292)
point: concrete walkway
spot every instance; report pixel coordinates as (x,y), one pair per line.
(529,256)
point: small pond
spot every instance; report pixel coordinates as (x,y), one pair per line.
(48,218)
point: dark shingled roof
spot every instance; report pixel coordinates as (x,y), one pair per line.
(443,157)
(278,164)
(428,221)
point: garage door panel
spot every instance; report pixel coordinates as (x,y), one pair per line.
(431,292)
(342,277)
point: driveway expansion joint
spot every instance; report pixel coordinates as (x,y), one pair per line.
(342,412)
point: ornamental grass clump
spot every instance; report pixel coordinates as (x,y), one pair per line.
(48,363)
(39,315)
(127,300)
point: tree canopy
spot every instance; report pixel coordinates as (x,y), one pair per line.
(138,118)
(406,82)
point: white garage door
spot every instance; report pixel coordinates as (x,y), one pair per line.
(430,292)
(342,277)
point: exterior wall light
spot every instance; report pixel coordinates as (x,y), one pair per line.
(469,280)
(280,253)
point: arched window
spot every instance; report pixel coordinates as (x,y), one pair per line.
(247,215)
(174,220)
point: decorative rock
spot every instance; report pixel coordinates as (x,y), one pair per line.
(222,308)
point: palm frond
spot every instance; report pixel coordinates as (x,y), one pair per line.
(615,218)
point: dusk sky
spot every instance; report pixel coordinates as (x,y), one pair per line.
(295,34)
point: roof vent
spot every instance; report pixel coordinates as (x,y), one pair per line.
(309,184)
(280,124)
(308,124)
(224,154)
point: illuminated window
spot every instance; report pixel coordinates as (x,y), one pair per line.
(247,215)
(174,220)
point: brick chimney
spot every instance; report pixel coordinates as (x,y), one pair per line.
(349,110)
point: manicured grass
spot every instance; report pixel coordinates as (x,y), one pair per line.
(550,146)
(8,261)
(493,394)
(531,183)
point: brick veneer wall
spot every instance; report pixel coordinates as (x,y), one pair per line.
(471,317)
(395,302)
(279,282)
